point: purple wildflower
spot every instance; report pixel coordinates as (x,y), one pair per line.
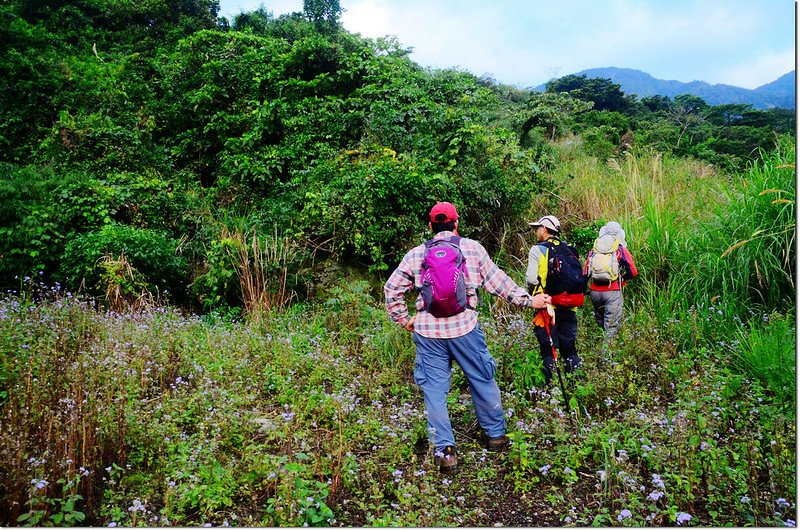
(655,495)
(683,517)
(657,481)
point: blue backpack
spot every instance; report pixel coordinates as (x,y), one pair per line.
(564,269)
(444,273)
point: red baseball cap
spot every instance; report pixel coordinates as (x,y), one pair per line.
(443,212)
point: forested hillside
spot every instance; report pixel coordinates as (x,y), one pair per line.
(196,219)
(778,95)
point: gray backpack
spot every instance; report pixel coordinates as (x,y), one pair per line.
(603,266)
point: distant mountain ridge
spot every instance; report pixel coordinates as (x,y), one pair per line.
(779,93)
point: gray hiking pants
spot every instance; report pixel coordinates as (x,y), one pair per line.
(607,311)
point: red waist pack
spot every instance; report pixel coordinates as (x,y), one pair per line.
(567,300)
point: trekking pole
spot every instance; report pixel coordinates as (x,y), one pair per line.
(551,315)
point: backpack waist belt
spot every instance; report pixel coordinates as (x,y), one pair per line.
(610,283)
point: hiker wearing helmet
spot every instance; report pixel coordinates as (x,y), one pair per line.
(554,268)
(447,272)
(608,266)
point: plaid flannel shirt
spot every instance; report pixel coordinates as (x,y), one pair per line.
(481,272)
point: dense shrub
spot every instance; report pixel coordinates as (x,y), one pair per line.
(151,253)
(44,208)
(370,205)
(29,228)
(599,141)
(99,143)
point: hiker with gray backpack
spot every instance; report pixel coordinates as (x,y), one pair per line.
(446,271)
(607,268)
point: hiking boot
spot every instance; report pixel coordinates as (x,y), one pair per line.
(497,444)
(446,459)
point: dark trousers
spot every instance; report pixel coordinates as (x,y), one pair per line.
(564,334)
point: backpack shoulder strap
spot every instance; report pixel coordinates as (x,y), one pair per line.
(606,243)
(545,246)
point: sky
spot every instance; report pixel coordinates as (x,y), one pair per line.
(744,43)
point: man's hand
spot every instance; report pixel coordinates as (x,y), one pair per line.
(541,300)
(410,324)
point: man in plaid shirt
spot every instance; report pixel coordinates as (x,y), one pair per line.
(459,337)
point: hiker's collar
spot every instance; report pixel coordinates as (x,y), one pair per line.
(443,234)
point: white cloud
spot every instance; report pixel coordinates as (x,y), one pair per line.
(231,8)
(370,18)
(758,71)
(525,42)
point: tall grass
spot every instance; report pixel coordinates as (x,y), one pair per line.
(759,231)
(727,238)
(659,200)
(745,254)
(621,188)
(122,284)
(765,349)
(263,265)
(655,237)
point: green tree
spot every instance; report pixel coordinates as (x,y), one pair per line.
(323,13)
(551,112)
(254,21)
(687,113)
(657,103)
(605,94)
(729,114)
(690,104)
